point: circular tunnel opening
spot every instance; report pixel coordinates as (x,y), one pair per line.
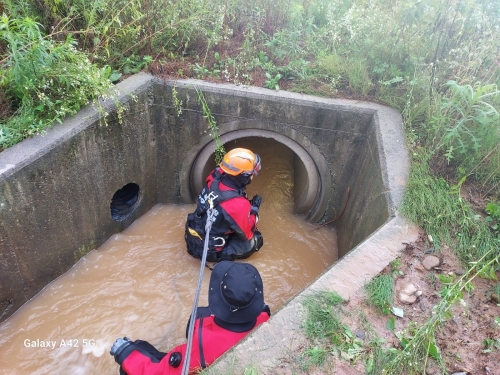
(124,201)
(308,184)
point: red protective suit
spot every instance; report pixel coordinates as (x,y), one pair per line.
(210,341)
(233,234)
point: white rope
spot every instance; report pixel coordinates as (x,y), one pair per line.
(208,226)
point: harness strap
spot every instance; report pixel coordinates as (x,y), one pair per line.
(215,194)
(200,344)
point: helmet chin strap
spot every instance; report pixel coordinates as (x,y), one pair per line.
(237,182)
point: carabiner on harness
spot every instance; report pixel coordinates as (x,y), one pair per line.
(211,198)
(217,239)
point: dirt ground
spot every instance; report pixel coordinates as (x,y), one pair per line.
(460,338)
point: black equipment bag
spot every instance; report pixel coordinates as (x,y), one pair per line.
(195,239)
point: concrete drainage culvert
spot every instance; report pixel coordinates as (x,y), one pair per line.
(63,183)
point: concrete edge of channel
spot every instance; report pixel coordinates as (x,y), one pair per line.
(278,338)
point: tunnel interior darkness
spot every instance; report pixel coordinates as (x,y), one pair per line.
(258,145)
(124,201)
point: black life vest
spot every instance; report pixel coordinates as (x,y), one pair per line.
(196,221)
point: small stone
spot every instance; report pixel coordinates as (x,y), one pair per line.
(360,334)
(430,261)
(397,311)
(418,267)
(431,240)
(406,292)
(432,370)
(422,307)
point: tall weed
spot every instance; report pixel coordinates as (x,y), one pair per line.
(467,124)
(46,80)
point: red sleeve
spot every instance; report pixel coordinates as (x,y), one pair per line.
(240,219)
(139,364)
(216,341)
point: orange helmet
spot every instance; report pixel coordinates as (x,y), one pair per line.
(240,161)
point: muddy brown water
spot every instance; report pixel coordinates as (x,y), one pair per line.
(141,282)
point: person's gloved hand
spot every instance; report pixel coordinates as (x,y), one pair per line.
(121,348)
(255,202)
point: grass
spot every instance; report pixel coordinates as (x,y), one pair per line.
(328,334)
(440,210)
(313,357)
(321,314)
(380,291)
(325,328)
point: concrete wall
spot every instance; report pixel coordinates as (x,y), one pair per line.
(56,188)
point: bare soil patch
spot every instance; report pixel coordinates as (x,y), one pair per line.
(461,339)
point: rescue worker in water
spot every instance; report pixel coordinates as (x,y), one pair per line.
(234,233)
(235,307)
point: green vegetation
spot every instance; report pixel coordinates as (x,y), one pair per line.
(380,291)
(212,127)
(418,342)
(442,212)
(325,328)
(44,79)
(322,319)
(434,60)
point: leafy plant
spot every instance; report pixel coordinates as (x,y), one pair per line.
(133,64)
(212,127)
(467,121)
(272,82)
(395,266)
(201,71)
(493,218)
(177,101)
(46,79)
(490,344)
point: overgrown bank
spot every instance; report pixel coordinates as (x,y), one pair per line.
(435,61)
